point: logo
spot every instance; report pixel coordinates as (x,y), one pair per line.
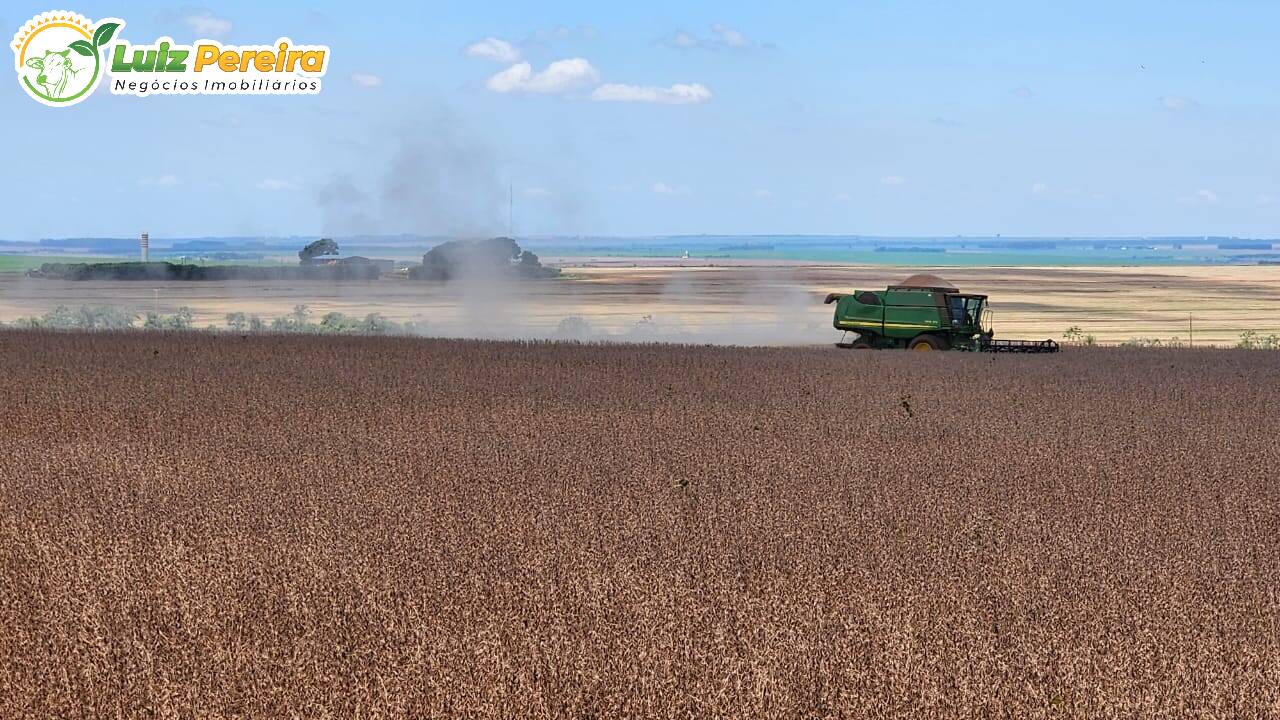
(58,56)
(61,57)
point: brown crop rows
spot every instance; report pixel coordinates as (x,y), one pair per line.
(273,526)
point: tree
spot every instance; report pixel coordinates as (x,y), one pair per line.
(335,322)
(182,319)
(376,324)
(1251,340)
(574,327)
(1076,335)
(323,246)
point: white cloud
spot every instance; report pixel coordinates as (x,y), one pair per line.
(545,36)
(542,35)
(274,184)
(892,180)
(1024,92)
(678,94)
(1176,102)
(1265,199)
(560,76)
(730,37)
(491,48)
(763,194)
(206,24)
(364,80)
(535,192)
(166,180)
(684,40)
(563,76)
(722,37)
(661,188)
(1201,197)
(1039,188)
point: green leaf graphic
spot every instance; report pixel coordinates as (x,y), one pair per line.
(103,34)
(82,47)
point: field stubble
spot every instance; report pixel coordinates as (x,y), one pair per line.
(196,525)
(747,304)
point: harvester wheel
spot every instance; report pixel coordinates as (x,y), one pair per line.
(862,344)
(927,343)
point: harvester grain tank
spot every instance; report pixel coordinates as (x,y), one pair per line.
(922,313)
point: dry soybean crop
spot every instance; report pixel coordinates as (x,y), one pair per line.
(200,525)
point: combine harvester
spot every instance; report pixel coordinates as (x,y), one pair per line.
(922,313)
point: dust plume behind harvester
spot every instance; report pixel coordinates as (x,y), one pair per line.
(922,313)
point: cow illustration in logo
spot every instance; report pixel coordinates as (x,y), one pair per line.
(59,56)
(56,70)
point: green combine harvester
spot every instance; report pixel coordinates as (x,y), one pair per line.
(922,313)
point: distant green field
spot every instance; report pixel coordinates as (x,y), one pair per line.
(22,263)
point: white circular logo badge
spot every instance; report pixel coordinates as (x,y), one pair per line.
(58,56)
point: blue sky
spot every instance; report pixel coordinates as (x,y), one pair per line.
(897,118)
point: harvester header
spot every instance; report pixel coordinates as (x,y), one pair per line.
(922,313)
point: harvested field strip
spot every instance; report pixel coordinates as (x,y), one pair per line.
(779,305)
(271,526)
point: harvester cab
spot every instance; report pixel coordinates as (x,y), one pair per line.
(922,313)
(967,311)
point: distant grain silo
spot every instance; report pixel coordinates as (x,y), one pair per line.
(145,244)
